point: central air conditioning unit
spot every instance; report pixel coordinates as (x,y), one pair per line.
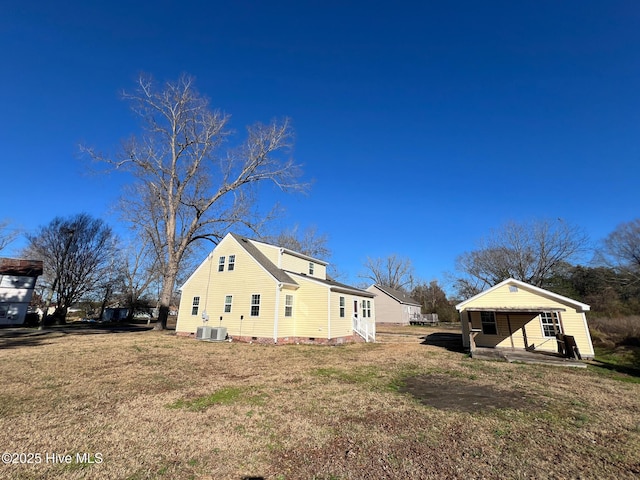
(219,334)
(204,333)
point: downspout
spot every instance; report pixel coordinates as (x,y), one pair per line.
(329,314)
(277,313)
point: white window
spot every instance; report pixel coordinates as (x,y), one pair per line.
(232,263)
(366,308)
(311,268)
(288,306)
(342,304)
(255,305)
(550,324)
(194,305)
(221,264)
(227,303)
(489,325)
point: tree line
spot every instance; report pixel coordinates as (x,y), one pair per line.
(551,254)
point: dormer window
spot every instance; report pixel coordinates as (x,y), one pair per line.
(311,268)
(221,264)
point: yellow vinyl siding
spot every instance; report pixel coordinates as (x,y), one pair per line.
(341,327)
(246,279)
(287,325)
(291,263)
(312,309)
(315,309)
(571,320)
(270,251)
(295,264)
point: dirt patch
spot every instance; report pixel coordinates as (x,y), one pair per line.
(447,393)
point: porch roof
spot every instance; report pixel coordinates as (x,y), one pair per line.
(517,309)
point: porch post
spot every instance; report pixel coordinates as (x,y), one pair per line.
(560,321)
(510,331)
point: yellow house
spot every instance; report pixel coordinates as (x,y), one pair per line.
(265,293)
(516,315)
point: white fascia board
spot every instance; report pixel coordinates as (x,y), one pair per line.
(529,287)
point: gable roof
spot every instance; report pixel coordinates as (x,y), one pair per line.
(530,288)
(280,275)
(397,295)
(336,286)
(284,276)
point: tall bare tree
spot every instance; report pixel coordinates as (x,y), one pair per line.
(525,251)
(621,250)
(7,235)
(138,273)
(77,254)
(187,186)
(308,241)
(393,272)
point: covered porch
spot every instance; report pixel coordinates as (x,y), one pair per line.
(537,329)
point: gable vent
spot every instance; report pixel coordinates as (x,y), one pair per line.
(513,288)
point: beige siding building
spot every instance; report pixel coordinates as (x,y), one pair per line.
(265,293)
(516,315)
(394,306)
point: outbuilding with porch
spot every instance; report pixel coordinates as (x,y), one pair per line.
(515,315)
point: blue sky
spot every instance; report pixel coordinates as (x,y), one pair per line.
(423,125)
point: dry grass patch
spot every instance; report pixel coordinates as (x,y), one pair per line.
(158,406)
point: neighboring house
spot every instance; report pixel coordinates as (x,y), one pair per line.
(394,306)
(17,282)
(264,293)
(516,315)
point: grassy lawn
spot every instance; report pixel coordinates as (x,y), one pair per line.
(156,406)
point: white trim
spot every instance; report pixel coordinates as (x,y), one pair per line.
(291,252)
(251,305)
(540,291)
(346,289)
(277,313)
(224,304)
(329,315)
(586,329)
(542,324)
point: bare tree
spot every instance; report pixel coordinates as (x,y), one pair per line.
(139,271)
(393,272)
(187,187)
(7,235)
(308,242)
(77,254)
(621,250)
(525,251)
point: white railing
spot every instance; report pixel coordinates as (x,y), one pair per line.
(365,327)
(424,319)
